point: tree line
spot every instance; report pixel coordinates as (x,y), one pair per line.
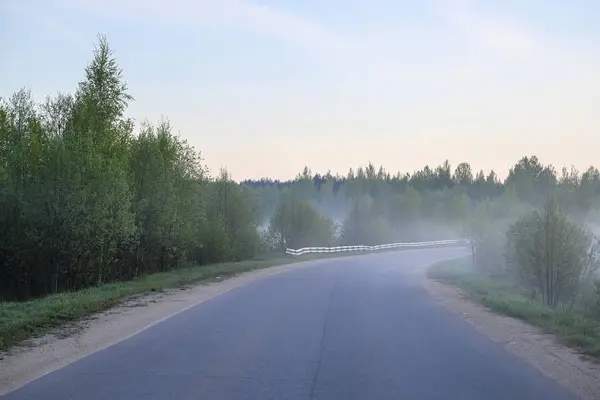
(84,200)
(370,206)
(87,198)
(536,229)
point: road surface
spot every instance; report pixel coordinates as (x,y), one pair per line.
(356,328)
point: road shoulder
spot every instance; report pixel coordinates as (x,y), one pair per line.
(542,350)
(37,357)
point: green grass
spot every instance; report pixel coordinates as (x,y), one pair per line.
(573,329)
(20,321)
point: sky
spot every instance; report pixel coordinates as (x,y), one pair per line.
(263,88)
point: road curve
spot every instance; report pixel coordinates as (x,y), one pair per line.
(356,328)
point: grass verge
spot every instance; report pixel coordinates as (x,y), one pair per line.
(20,321)
(575,330)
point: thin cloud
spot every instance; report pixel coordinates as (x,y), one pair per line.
(346,54)
(372,58)
(231,14)
(46,17)
(501,34)
(503,37)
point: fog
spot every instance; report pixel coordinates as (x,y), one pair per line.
(89,198)
(510,224)
(371,206)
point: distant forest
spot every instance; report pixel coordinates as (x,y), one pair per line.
(528,182)
(532,180)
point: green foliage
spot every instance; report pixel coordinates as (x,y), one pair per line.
(22,320)
(504,297)
(85,201)
(300,224)
(596,305)
(364,224)
(375,206)
(551,254)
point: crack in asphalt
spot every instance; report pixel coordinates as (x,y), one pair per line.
(322,342)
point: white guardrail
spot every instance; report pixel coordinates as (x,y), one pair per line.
(339,249)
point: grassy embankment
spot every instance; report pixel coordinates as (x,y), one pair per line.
(20,321)
(572,328)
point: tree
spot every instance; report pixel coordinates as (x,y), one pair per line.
(363,224)
(463,175)
(551,254)
(486,238)
(597,297)
(84,201)
(299,223)
(533,181)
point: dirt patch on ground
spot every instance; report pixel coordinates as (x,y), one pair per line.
(41,356)
(542,350)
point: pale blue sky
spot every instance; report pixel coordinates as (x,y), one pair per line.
(265,87)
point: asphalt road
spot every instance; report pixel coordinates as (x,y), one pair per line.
(357,328)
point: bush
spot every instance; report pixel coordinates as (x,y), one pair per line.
(551,254)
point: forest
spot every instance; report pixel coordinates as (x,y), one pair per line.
(88,197)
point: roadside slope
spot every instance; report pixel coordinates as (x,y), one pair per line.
(65,344)
(528,342)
